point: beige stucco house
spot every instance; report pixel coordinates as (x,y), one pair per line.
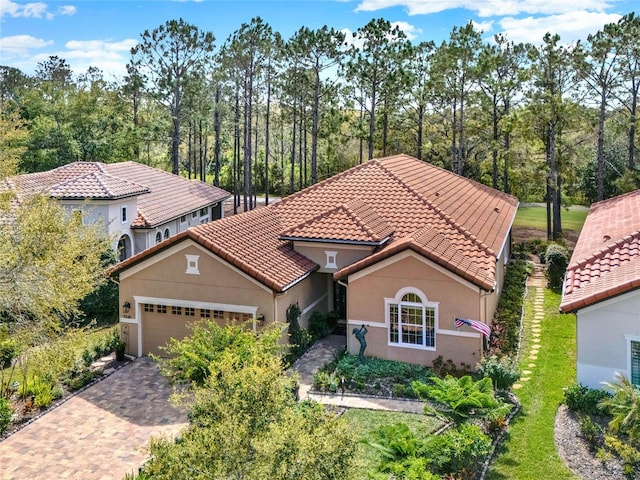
(396,244)
(602,287)
(138,206)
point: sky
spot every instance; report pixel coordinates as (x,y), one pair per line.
(101,33)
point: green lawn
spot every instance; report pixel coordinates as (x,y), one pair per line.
(530,452)
(364,422)
(536,217)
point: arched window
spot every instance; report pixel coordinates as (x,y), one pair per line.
(158,237)
(124,247)
(167,233)
(412,319)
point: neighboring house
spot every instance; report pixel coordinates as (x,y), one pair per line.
(396,244)
(140,206)
(602,287)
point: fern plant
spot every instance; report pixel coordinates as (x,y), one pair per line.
(458,399)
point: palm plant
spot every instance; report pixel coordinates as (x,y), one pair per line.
(624,406)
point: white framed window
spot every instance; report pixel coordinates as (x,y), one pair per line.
(412,319)
(633,358)
(331,259)
(123,214)
(183,219)
(167,233)
(194,214)
(158,237)
(192,264)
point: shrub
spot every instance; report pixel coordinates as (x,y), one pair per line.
(79,377)
(557,260)
(459,452)
(326,382)
(591,432)
(5,414)
(321,325)
(373,369)
(460,399)
(299,338)
(503,371)
(582,399)
(627,453)
(8,351)
(506,322)
(43,392)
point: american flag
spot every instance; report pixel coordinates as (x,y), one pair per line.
(481,327)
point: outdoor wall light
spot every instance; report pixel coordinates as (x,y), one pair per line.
(261,318)
(126,306)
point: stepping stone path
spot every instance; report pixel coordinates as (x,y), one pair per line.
(536,285)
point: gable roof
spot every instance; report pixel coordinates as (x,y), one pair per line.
(606,260)
(162,196)
(462,224)
(351,222)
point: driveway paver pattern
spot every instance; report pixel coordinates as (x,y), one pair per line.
(100,434)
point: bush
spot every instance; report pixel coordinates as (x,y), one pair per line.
(505,328)
(8,351)
(460,450)
(5,414)
(582,399)
(321,325)
(326,382)
(557,260)
(591,432)
(374,369)
(503,371)
(299,338)
(627,453)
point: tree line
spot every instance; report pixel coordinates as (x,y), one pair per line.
(260,114)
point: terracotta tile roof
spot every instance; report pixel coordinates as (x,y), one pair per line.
(462,230)
(77,180)
(161,196)
(351,222)
(606,259)
(169,196)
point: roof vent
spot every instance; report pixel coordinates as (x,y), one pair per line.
(437,194)
(496,209)
(606,238)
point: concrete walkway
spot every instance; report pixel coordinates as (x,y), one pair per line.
(100,434)
(323,352)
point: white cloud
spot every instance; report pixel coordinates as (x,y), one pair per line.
(33,10)
(570,26)
(409,30)
(25,52)
(484,27)
(487,8)
(17,45)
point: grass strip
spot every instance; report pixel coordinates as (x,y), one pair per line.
(536,217)
(530,451)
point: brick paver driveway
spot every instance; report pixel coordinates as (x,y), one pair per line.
(99,434)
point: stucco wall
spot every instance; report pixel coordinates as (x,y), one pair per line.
(164,276)
(366,304)
(311,294)
(345,254)
(602,348)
